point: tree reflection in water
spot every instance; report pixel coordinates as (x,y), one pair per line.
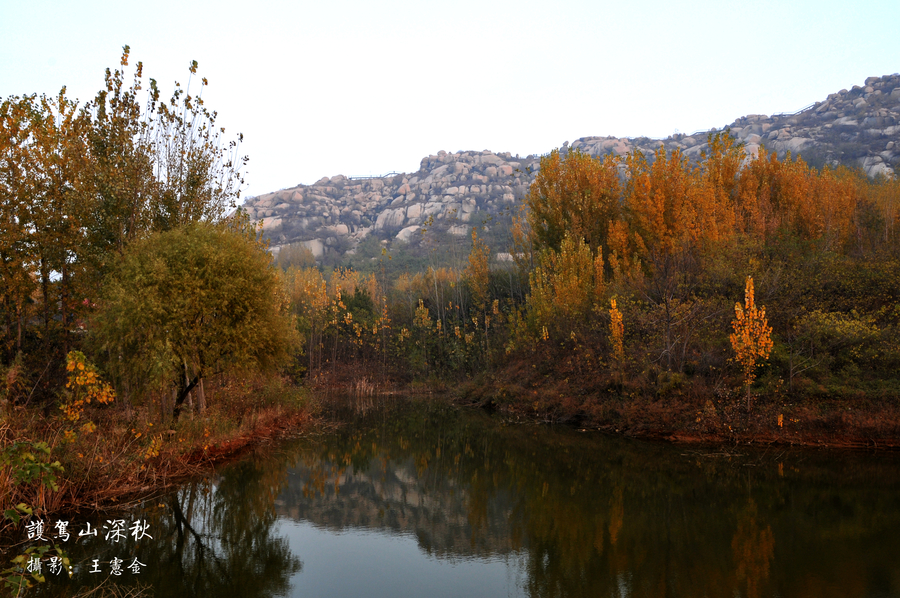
(754,548)
(221,540)
(211,538)
(575,514)
(600,516)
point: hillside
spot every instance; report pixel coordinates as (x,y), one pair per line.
(859,127)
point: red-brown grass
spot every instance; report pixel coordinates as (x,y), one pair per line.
(133,454)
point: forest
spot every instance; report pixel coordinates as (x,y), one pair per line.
(727,297)
(130,293)
(144,327)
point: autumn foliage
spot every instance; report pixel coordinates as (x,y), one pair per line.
(666,243)
(85,385)
(124,276)
(752,336)
(661,244)
(672,237)
(79,183)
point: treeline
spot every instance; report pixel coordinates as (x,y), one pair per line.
(125,284)
(79,184)
(626,276)
(675,240)
(624,281)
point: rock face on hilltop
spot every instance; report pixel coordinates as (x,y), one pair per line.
(448,189)
(857,128)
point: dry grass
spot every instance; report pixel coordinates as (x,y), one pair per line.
(131,454)
(682,409)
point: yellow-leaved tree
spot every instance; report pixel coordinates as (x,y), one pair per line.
(575,195)
(617,336)
(565,285)
(752,336)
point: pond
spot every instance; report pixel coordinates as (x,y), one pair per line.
(420,499)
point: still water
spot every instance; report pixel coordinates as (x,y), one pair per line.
(416,499)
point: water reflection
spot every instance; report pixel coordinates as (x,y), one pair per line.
(211,538)
(220,540)
(432,500)
(599,516)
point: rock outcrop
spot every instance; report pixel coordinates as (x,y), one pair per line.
(448,191)
(859,128)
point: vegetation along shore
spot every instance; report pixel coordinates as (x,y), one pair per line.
(146,332)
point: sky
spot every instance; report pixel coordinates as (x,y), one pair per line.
(361,88)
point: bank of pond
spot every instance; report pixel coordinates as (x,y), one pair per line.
(414,497)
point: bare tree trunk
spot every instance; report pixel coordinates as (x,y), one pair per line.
(7,308)
(125,399)
(187,387)
(201,398)
(168,403)
(189,400)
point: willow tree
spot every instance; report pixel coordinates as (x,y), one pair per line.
(80,182)
(190,303)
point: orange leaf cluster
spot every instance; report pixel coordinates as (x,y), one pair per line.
(86,386)
(670,204)
(616,331)
(752,336)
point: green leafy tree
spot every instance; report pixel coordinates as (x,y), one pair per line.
(190,303)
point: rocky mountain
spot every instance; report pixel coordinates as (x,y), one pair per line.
(858,128)
(335,213)
(390,497)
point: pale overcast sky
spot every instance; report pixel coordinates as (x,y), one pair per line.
(360,87)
